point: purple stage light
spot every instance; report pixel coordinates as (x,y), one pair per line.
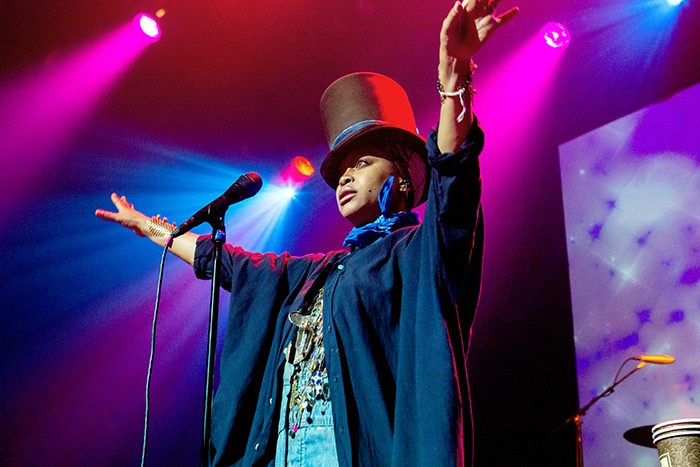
(556,35)
(148,26)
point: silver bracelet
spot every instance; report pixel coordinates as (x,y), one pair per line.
(465,86)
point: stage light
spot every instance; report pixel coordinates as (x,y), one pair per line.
(296,172)
(303,166)
(59,97)
(556,35)
(148,26)
(674,2)
(288,193)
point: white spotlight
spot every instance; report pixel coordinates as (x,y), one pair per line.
(288,193)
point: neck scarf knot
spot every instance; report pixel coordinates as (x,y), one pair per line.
(386,223)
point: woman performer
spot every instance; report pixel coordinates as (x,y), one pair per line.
(358,356)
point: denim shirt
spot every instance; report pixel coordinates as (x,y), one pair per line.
(397,316)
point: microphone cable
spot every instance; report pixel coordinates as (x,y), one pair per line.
(168,243)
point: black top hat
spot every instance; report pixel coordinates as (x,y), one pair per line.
(363,109)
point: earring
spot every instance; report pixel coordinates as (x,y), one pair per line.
(405,185)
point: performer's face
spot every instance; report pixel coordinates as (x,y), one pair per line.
(364,172)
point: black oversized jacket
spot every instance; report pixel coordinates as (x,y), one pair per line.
(397,316)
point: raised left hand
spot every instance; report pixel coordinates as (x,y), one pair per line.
(467,26)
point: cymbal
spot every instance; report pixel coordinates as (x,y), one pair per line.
(640,435)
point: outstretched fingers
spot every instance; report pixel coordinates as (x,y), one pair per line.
(106,215)
(507,16)
(120,203)
(488,23)
(455,14)
(480,8)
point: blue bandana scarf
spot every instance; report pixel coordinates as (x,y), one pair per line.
(386,223)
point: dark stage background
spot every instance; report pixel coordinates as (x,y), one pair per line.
(87,108)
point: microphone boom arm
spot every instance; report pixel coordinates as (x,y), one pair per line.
(577,418)
(606,392)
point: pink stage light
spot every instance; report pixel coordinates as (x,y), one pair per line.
(513,110)
(556,35)
(148,26)
(42,110)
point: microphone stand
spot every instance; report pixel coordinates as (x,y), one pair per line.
(216,220)
(577,418)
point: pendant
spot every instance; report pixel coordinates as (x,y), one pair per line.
(303,342)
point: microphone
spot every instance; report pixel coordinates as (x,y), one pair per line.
(658,359)
(245,187)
